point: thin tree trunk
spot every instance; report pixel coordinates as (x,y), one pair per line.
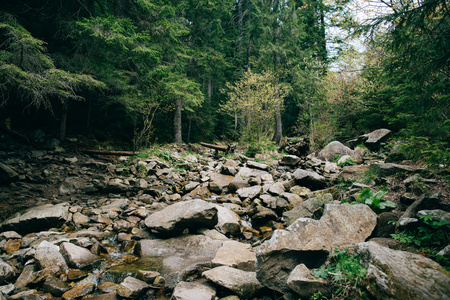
(62,135)
(279,128)
(177,121)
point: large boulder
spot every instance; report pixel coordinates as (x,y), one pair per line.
(174,219)
(374,139)
(229,222)
(38,218)
(178,255)
(309,179)
(395,274)
(243,283)
(388,169)
(76,256)
(237,255)
(336,148)
(218,182)
(308,241)
(48,256)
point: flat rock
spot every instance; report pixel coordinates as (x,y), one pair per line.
(217,182)
(395,274)
(241,282)
(198,290)
(179,254)
(241,178)
(308,241)
(250,192)
(236,255)
(76,256)
(256,165)
(79,291)
(388,169)
(175,218)
(38,219)
(132,288)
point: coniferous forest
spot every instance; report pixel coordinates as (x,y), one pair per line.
(139,72)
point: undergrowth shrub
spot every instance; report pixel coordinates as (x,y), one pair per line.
(347,275)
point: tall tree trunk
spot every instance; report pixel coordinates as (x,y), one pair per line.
(279,128)
(177,121)
(62,133)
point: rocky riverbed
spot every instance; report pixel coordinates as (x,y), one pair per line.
(184,225)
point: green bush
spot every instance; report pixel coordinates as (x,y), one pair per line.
(347,273)
(375,200)
(429,237)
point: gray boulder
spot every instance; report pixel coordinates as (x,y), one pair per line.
(307,208)
(376,137)
(241,178)
(336,148)
(132,288)
(304,284)
(178,255)
(48,256)
(290,160)
(218,182)
(309,241)
(38,219)
(6,272)
(198,290)
(236,255)
(249,192)
(309,179)
(395,274)
(243,283)
(76,256)
(229,222)
(174,219)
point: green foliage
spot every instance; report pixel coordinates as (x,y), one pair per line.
(252,150)
(429,237)
(375,200)
(347,273)
(426,150)
(166,155)
(336,158)
(348,162)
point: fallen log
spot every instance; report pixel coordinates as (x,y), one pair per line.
(109,152)
(226,149)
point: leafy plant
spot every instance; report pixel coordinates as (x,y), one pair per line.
(252,150)
(347,273)
(375,200)
(429,237)
(336,158)
(348,162)
(166,155)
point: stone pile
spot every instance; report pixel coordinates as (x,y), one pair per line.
(202,230)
